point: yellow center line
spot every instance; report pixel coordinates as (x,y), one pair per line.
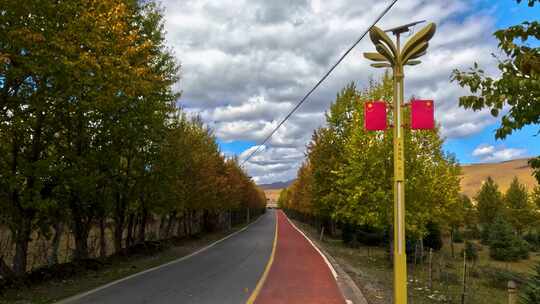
(260,284)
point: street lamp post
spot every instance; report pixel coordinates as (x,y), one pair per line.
(392,55)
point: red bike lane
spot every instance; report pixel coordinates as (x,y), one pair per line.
(298,273)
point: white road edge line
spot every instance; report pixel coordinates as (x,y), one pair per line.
(334,273)
(84,294)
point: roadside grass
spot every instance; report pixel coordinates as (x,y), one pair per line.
(371,270)
(115,268)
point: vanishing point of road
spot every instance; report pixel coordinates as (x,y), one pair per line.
(270,261)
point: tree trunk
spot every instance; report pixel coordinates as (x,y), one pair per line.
(102,238)
(80,230)
(142,226)
(118,235)
(187,223)
(181,224)
(161,229)
(452,241)
(129,237)
(80,226)
(22,238)
(170,223)
(119,220)
(80,233)
(5,271)
(58,230)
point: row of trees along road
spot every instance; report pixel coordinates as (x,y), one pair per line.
(347,177)
(90,134)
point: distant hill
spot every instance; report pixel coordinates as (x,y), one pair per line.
(502,173)
(473,177)
(276,185)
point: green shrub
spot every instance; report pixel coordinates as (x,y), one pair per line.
(471,251)
(504,245)
(458,236)
(370,236)
(485,235)
(531,292)
(348,236)
(434,237)
(533,239)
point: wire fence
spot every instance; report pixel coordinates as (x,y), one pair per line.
(433,276)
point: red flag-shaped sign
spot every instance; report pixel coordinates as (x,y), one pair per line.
(375,115)
(422,117)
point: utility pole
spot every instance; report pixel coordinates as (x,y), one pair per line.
(390,55)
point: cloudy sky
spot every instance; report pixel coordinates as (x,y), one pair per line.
(245,63)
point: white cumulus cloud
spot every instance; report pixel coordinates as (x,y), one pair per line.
(245,64)
(490,153)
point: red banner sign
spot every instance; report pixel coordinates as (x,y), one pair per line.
(375,115)
(422,115)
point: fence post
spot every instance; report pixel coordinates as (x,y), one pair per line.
(430,269)
(512,292)
(464,291)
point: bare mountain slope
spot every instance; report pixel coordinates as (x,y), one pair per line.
(502,173)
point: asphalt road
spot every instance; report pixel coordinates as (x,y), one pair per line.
(225,273)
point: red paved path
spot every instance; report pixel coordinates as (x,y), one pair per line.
(299,273)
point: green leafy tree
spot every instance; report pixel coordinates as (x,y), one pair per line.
(30,87)
(518,206)
(366,177)
(517,85)
(535,198)
(504,245)
(531,292)
(325,153)
(433,238)
(90,132)
(489,202)
(470,251)
(349,170)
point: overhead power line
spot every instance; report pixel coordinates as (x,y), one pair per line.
(320,81)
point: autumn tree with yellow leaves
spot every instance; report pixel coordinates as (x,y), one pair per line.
(91,137)
(347,178)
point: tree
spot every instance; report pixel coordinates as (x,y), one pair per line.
(433,238)
(518,207)
(432,185)
(325,153)
(531,292)
(90,131)
(348,172)
(535,197)
(488,202)
(517,85)
(504,245)
(29,115)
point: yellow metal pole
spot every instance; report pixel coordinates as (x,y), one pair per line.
(400,257)
(389,55)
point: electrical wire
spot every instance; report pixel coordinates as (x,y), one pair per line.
(320,81)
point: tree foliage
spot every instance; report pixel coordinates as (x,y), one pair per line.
(348,173)
(531,292)
(489,202)
(504,245)
(90,132)
(518,85)
(519,209)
